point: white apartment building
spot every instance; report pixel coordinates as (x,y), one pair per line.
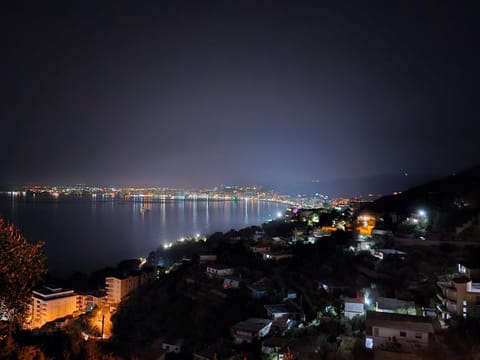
(50,303)
(86,301)
(119,287)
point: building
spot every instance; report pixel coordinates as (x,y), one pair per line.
(384,253)
(260,248)
(218,270)
(402,333)
(458,297)
(231,282)
(248,330)
(171,345)
(88,300)
(260,288)
(392,305)
(276,256)
(284,315)
(353,307)
(118,287)
(50,303)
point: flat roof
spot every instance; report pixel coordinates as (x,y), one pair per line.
(398,321)
(252,324)
(391,251)
(49,293)
(393,303)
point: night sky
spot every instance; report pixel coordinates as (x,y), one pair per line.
(203,93)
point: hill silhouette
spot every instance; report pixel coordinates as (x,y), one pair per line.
(448,201)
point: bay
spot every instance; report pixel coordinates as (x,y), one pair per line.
(83,234)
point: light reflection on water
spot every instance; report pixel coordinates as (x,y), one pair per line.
(85,235)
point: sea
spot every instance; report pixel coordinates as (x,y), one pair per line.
(83,234)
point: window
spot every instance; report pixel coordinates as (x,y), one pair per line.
(403,334)
(418,336)
(375,331)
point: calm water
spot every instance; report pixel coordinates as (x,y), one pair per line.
(84,235)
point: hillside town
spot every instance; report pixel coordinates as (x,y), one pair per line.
(341,281)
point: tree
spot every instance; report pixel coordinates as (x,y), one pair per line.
(22,266)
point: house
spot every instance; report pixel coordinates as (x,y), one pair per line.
(260,288)
(291,295)
(51,303)
(218,270)
(276,256)
(281,314)
(260,248)
(231,282)
(391,305)
(172,345)
(337,287)
(277,311)
(383,253)
(460,297)
(353,307)
(54,326)
(248,330)
(168,345)
(399,332)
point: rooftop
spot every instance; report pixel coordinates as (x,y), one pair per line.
(252,324)
(398,321)
(277,308)
(393,303)
(48,292)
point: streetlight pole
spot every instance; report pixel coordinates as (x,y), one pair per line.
(103,324)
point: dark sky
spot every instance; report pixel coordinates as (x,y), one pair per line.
(204,93)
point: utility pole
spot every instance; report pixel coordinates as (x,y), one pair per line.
(103,324)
